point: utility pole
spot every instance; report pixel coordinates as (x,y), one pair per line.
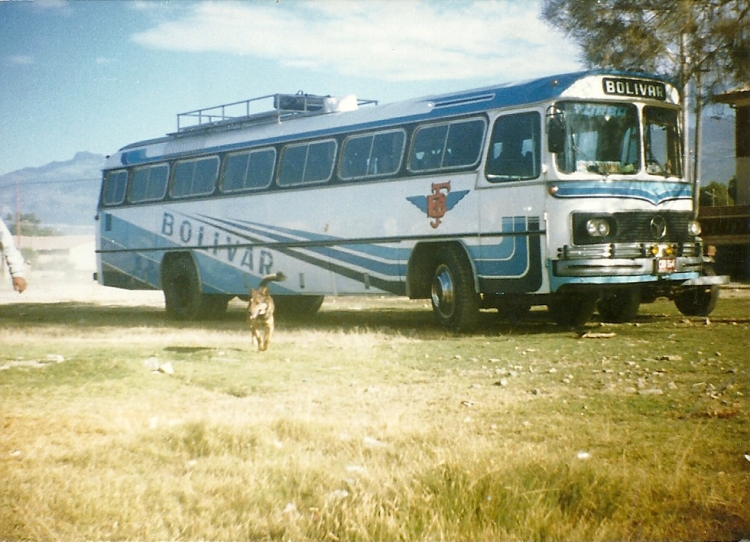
(18,213)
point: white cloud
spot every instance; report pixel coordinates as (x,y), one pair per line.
(59,6)
(21,60)
(405,40)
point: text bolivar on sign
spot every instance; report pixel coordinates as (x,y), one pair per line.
(635,87)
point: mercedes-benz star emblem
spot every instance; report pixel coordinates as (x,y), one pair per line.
(658,227)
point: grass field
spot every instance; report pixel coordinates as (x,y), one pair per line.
(370,423)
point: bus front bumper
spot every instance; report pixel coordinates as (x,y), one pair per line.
(627,267)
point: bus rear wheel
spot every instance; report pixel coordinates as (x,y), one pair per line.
(455,304)
(298,306)
(183,298)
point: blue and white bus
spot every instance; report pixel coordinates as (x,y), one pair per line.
(566,191)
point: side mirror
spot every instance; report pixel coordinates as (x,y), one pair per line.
(555,132)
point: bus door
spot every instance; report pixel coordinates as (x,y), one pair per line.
(512,207)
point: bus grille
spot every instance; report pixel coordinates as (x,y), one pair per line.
(635,226)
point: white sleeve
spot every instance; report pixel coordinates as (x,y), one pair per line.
(12,255)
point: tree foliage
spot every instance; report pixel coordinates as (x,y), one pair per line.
(704,41)
(30,225)
(715,194)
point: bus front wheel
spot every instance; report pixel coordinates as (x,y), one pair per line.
(455,303)
(571,310)
(619,305)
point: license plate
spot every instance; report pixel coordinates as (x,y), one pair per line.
(665,265)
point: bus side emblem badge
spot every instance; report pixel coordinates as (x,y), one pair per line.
(438,202)
(658,227)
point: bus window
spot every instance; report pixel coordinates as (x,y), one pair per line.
(515,146)
(114,187)
(306,163)
(447,145)
(600,138)
(464,143)
(427,148)
(355,157)
(372,155)
(248,171)
(319,165)
(387,151)
(195,177)
(149,183)
(663,142)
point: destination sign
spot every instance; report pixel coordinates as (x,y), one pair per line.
(635,88)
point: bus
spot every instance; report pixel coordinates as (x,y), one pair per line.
(566,191)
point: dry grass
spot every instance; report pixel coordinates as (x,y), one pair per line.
(372,425)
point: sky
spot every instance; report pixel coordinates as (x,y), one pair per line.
(96,76)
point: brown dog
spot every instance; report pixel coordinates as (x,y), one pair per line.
(260,312)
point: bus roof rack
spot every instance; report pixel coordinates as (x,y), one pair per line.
(257,111)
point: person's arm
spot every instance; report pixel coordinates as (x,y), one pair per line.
(13,258)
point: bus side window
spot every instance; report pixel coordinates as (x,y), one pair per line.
(195,177)
(464,143)
(515,147)
(235,172)
(260,169)
(157,185)
(206,171)
(139,185)
(427,148)
(307,163)
(372,154)
(444,146)
(387,150)
(115,184)
(355,156)
(149,183)
(319,164)
(292,164)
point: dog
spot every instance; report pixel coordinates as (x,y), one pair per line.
(260,309)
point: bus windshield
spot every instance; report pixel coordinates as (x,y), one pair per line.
(604,138)
(663,142)
(600,138)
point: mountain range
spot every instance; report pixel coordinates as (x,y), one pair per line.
(61,194)
(64,194)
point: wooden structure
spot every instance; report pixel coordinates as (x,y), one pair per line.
(726,227)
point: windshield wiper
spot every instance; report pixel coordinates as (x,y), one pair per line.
(503,177)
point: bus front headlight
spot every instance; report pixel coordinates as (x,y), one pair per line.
(597,227)
(694,228)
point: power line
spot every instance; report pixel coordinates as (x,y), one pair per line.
(46,182)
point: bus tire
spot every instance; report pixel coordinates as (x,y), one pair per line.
(213,306)
(571,310)
(182,289)
(298,306)
(455,303)
(619,305)
(698,300)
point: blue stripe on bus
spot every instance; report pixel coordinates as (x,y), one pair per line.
(654,192)
(360,255)
(509,258)
(385,265)
(329,248)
